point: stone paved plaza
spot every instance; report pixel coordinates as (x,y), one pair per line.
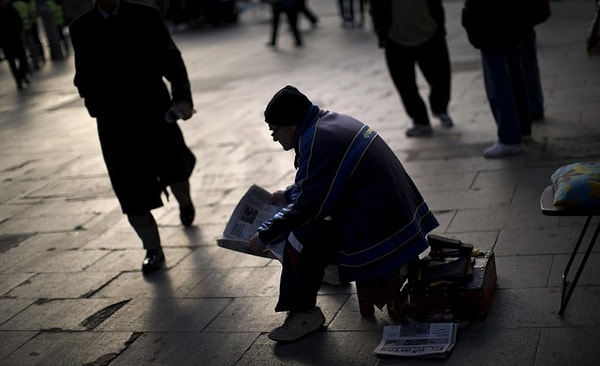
(71,289)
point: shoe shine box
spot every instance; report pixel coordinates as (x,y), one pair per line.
(471,299)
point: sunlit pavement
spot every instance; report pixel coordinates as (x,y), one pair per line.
(71,289)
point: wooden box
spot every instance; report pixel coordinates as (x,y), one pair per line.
(472,299)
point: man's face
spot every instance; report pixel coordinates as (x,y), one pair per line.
(284,135)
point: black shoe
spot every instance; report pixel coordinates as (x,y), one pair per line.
(153,261)
(187,214)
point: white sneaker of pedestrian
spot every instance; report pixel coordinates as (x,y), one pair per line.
(297,325)
(499,150)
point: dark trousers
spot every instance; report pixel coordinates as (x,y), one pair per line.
(507,92)
(302,272)
(292,17)
(434,62)
(146,228)
(144,223)
(17,61)
(531,71)
(307,12)
(347,10)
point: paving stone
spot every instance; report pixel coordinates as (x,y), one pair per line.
(165,315)
(590,276)
(444,182)
(59,314)
(161,284)
(75,188)
(214,256)
(523,271)
(461,199)
(44,224)
(61,208)
(10,307)
(33,164)
(10,281)
(239,282)
(73,348)
(499,218)
(538,307)
(542,240)
(56,261)
(349,318)
(515,177)
(61,285)
(193,237)
(569,346)
(504,347)
(12,341)
(319,348)
(59,216)
(12,189)
(187,348)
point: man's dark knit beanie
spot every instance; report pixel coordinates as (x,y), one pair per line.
(288,107)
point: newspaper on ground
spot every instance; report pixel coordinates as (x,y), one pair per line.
(254,208)
(417,340)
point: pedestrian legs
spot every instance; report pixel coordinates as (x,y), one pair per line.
(434,62)
(401,63)
(532,75)
(506,92)
(146,228)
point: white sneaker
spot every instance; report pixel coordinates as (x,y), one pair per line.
(297,325)
(499,150)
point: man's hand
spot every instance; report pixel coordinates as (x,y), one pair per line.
(278,198)
(256,246)
(180,110)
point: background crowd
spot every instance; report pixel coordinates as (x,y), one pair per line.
(411,34)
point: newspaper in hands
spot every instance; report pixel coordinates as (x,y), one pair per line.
(254,208)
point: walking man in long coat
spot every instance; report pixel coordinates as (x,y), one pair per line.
(122,52)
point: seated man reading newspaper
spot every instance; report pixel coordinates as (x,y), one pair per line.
(352,203)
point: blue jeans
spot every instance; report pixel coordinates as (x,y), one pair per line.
(506,92)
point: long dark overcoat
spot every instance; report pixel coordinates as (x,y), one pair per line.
(120,63)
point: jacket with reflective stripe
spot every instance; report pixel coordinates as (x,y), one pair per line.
(347,173)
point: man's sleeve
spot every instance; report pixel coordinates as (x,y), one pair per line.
(312,194)
(174,67)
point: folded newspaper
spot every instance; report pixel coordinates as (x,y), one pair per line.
(254,208)
(417,340)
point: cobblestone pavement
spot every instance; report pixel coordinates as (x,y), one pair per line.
(71,290)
